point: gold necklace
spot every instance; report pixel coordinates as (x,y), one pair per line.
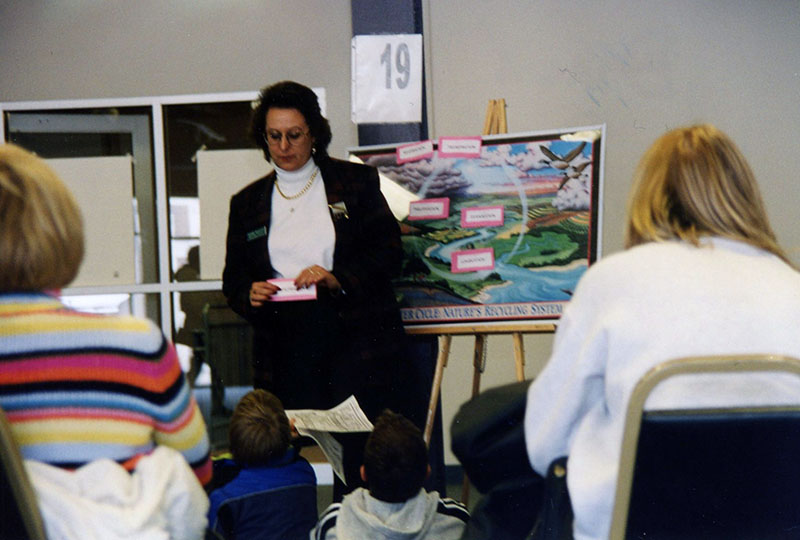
(299,193)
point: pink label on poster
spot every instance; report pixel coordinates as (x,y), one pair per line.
(414,151)
(460,147)
(289,293)
(482,216)
(472,260)
(429,209)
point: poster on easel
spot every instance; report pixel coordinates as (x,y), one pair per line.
(496,229)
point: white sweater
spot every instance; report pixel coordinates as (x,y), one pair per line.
(634,310)
(301,232)
(160,500)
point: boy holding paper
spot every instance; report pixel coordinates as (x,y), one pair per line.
(267,491)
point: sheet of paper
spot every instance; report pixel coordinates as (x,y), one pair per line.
(386,78)
(330,447)
(344,418)
(482,216)
(415,151)
(429,209)
(318,424)
(472,260)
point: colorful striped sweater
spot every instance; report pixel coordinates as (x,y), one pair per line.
(77,387)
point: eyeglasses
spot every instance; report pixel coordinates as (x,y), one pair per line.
(293,138)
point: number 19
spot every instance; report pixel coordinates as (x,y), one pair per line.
(402,62)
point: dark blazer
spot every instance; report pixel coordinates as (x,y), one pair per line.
(367,255)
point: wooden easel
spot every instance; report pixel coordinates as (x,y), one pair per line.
(495,123)
(446,334)
(495,117)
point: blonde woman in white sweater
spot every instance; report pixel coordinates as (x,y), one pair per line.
(702,274)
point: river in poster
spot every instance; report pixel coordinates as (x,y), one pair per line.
(524,209)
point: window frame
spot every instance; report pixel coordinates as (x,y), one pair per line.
(163,286)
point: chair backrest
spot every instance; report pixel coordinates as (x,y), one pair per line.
(19,510)
(709,473)
(228,344)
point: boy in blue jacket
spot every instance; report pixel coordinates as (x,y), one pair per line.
(267,491)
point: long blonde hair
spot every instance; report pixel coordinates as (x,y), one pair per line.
(694,182)
(41,229)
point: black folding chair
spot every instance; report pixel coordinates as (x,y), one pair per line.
(709,473)
(19,510)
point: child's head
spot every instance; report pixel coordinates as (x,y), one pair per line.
(259,429)
(395,459)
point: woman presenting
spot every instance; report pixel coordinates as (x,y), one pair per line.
(323,224)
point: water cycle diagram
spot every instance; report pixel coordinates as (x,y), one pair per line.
(502,232)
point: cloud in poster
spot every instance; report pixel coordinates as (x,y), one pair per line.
(428,178)
(532,158)
(440,178)
(575,194)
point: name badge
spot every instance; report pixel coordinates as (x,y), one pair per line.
(256,234)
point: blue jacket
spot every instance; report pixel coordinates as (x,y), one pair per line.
(274,501)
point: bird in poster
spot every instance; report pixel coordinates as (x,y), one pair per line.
(562,162)
(573,171)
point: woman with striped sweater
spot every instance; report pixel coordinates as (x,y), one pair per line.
(77,387)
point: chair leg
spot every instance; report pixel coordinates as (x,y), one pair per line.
(217,394)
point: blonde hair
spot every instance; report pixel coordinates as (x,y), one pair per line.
(41,229)
(694,182)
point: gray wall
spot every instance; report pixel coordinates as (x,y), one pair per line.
(639,67)
(79,49)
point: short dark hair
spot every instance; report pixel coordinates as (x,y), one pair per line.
(395,458)
(291,95)
(259,429)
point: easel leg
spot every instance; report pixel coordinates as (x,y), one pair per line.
(519,355)
(441,362)
(479,364)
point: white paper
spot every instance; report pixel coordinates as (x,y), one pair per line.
(318,424)
(103,187)
(330,447)
(386,78)
(397,197)
(220,174)
(346,417)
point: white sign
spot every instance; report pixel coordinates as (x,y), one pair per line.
(387,78)
(220,174)
(103,187)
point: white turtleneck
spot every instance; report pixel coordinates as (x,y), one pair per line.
(301,230)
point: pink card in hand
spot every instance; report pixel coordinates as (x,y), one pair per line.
(289,293)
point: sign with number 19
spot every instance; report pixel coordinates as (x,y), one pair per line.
(387,78)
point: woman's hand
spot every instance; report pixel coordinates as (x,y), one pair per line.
(261,291)
(317,275)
